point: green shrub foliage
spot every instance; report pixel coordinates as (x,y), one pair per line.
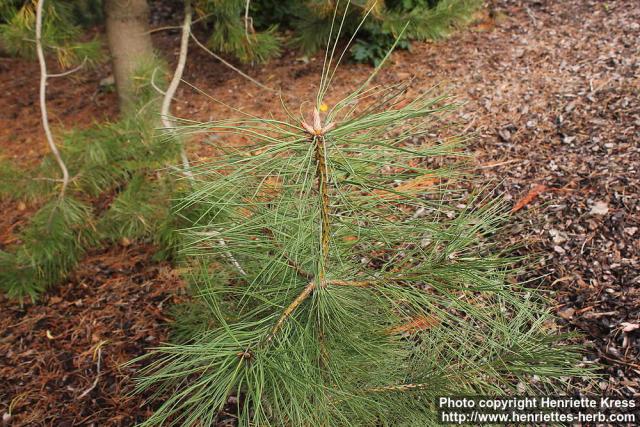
(55,239)
(310,22)
(61,31)
(120,190)
(341,277)
(271,24)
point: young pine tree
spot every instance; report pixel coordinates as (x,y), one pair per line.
(341,279)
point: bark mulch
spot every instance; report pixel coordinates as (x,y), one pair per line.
(551,91)
(61,360)
(556,103)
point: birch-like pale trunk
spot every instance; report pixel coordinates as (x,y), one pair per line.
(165,110)
(43,99)
(169,124)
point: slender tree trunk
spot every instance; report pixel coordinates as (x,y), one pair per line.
(43,99)
(130,44)
(165,110)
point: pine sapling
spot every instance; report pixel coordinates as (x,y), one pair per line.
(368,285)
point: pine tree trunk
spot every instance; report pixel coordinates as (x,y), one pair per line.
(129,41)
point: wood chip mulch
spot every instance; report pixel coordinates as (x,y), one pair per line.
(61,360)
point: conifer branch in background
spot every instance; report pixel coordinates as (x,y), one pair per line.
(117,160)
(43,99)
(60,32)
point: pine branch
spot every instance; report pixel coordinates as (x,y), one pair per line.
(306,292)
(290,262)
(317,347)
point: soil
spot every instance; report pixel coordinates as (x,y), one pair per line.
(550,90)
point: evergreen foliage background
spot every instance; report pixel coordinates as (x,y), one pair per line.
(309,22)
(120,191)
(62,30)
(272,25)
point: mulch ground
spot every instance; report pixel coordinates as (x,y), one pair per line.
(551,91)
(62,359)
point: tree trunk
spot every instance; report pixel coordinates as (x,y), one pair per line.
(129,41)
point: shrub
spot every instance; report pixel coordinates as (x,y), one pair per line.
(116,193)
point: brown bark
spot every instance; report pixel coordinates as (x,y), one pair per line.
(129,41)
